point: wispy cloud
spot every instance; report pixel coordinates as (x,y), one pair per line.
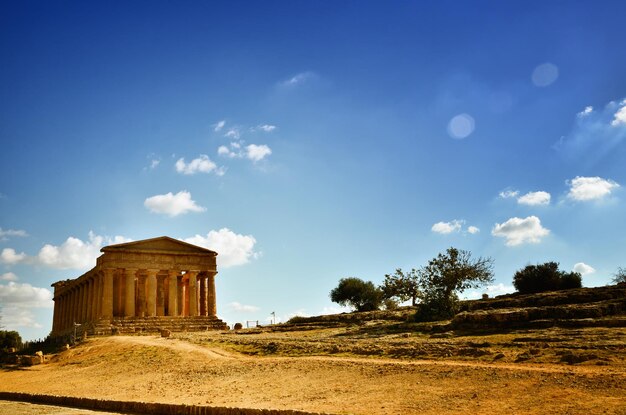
(219,125)
(595,132)
(6,233)
(298,79)
(268,128)
(508,194)
(254,152)
(454,226)
(202,164)
(233,133)
(242,308)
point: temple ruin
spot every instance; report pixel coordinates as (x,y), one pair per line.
(142,286)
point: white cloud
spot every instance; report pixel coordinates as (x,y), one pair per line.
(219,125)
(17,302)
(545,74)
(588,110)
(233,133)
(173,204)
(201,164)
(534,198)
(454,226)
(595,133)
(5,233)
(590,188)
(25,295)
(233,249)
(154,162)
(252,152)
(226,152)
(257,152)
(620,116)
(268,128)
(508,194)
(71,254)
(299,79)
(243,308)
(519,231)
(75,253)
(10,257)
(445,228)
(8,276)
(583,268)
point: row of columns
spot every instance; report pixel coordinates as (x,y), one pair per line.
(128,292)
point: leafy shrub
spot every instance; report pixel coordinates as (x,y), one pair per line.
(545,277)
(354,292)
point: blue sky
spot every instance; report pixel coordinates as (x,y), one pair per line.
(309,141)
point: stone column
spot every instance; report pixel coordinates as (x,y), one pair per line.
(73,307)
(182,296)
(89,299)
(79,303)
(193,294)
(55,315)
(202,281)
(140,308)
(160,295)
(151,289)
(63,309)
(211,303)
(129,295)
(107,293)
(172,294)
(99,286)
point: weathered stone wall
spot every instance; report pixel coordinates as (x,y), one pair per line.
(149,408)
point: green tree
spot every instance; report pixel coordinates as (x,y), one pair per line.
(620,275)
(545,277)
(403,286)
(356,293)
(445,276)
(9,339)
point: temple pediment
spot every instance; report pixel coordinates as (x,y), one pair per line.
(162,244)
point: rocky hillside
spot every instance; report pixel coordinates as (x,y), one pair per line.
(582,307)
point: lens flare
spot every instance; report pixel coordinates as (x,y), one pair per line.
(461,126)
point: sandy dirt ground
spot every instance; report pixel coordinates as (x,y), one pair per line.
(228,370)
(22,408)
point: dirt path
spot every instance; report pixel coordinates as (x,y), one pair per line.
(154,369)
(176,345)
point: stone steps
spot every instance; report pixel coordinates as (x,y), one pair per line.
(156,324)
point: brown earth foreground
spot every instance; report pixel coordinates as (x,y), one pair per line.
(361,369)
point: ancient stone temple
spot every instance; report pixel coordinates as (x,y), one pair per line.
(147,285)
